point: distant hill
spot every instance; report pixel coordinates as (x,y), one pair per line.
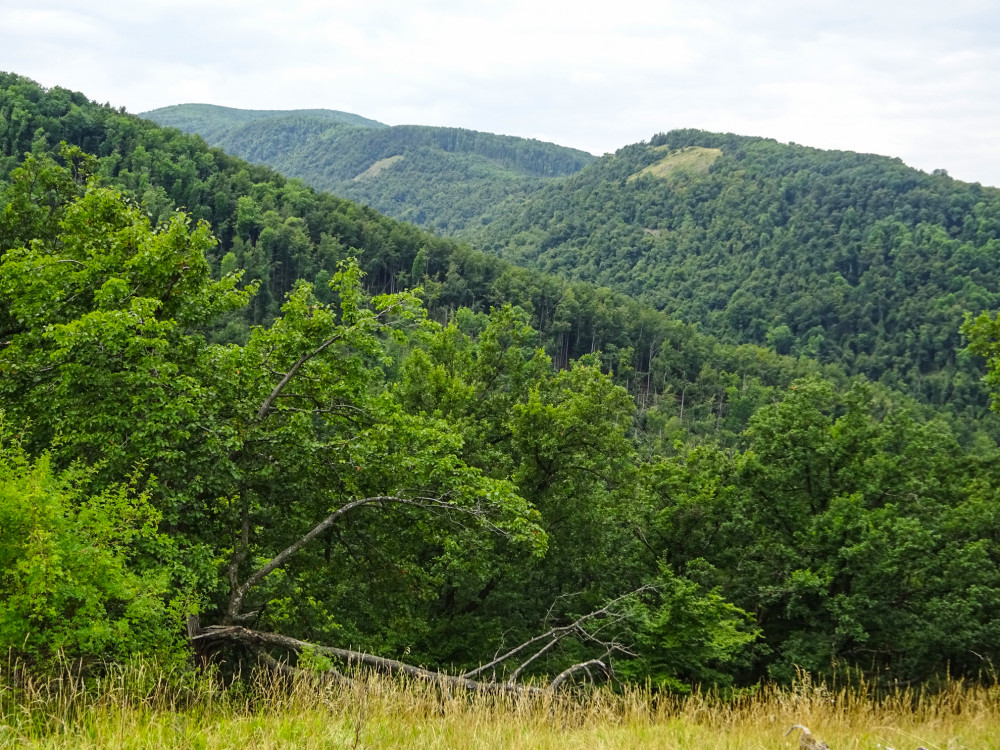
(849,258)
(445,177)
(213,122)
(855,260)
(280,231)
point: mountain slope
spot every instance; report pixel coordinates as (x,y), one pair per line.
(427,175)
(856,260)
(851,258)
(213,121)
(280,231)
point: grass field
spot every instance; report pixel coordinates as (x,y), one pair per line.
(693,159)
(136,709)
(378,167)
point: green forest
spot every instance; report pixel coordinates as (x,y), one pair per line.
(848,259)
(707,411)
(431,176)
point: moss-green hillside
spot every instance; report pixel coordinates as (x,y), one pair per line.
(447,177)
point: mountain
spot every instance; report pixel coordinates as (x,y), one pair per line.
(214,122)
(852,259)
(445,177)
(849,258)
(280,231)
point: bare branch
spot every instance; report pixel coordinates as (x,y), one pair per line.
(286,379)
(238,593)
(527,662)
(211,638)
(266,406)
(556,634)
(582,666)
(257,640)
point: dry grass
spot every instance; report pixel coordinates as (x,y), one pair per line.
(379,167)
(140,709)
(693,159)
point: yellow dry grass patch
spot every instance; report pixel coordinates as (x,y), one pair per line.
(378,167)
(127,712)
(693,159)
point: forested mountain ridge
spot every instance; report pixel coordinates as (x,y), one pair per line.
(848,258)
(280,231)
(438,176)
(296,454)
(212,121)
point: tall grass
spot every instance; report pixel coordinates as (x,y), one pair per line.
(138,707)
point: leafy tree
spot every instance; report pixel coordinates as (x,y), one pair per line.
(687,636)
(839,528)
(257,450)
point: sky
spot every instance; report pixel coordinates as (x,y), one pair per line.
(918,80)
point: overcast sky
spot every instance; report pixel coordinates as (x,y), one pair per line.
(917,79)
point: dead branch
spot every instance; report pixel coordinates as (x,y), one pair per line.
(259,641)
(581,667)
(209,640)
(551,637)
(806,740)
(239,592)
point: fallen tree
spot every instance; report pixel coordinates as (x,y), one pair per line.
(207,641)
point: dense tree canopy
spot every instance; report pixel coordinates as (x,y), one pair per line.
(296,487)
(217,412)
(842,257)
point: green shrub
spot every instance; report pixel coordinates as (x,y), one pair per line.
(78,577)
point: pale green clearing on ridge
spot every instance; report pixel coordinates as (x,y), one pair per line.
(693,159)
(378,167)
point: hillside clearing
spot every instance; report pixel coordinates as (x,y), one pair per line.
(378,167)
(693,159)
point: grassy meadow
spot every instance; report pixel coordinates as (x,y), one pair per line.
(140,709)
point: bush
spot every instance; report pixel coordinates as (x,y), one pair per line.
(78,579)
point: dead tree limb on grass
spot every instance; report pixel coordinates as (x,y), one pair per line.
(546,641)
(212,638)
(207,641)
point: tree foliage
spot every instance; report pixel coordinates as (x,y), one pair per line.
(78,583)
(431,176)
(501,470)
(846,258)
